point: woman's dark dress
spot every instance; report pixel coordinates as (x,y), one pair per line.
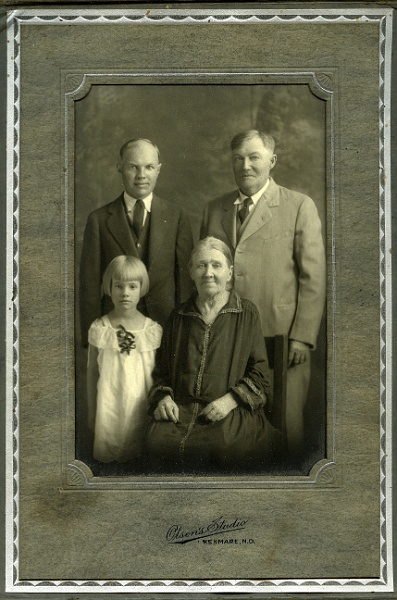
(198,363)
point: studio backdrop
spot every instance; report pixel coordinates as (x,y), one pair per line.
(192,125)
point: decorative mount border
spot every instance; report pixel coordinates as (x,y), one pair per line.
(321,84)
(159,16)
(224,586)
(76,86)
(184,15)
(78,476)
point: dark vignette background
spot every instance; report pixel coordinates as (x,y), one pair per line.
(192,126)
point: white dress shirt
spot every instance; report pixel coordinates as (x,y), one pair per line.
(255,197)
(130,205)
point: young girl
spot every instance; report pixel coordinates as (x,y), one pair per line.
(121,352)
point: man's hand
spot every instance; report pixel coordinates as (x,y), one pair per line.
(219,409)
(298,353)
(167,410)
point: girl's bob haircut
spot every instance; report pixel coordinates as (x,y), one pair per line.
(125,268)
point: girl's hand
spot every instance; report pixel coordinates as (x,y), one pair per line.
(219,409)
(167,410)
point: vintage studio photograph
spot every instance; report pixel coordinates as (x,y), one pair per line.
(200,279)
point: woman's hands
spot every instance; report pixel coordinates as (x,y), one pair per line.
(167,410)
(219,409)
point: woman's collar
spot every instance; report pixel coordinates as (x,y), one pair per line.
(189,308)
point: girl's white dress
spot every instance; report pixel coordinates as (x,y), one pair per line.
(125,377)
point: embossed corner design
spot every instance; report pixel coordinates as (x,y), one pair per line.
(327,475)
(324,473)
(322,84)
(77,475)
(325,81)
(76,85)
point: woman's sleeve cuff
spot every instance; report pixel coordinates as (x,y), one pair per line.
(249,394)
(157,393)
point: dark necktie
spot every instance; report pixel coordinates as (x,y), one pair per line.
(137,218)
(245,209)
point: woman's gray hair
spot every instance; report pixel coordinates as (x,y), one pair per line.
(212,243)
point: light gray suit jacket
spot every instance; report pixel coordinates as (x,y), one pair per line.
(279,261)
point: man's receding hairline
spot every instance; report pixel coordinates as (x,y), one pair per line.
(135,141)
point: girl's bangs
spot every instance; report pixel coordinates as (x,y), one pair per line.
(125,272)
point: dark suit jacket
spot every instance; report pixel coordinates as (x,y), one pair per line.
(279,260)
(108,234)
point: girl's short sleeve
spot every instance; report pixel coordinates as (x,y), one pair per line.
(101,336)
(150,338)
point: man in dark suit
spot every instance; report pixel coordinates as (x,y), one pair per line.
(279,262)
(137,223)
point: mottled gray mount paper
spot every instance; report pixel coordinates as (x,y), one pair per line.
(67,532)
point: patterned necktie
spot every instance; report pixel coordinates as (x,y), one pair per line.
(245,209)
(137,218)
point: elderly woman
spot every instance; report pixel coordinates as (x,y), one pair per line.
(211,379)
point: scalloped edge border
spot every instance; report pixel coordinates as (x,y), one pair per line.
(384,16)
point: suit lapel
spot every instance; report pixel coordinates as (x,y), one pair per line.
(262,213)
(158,238)
(229,218)
(120,228)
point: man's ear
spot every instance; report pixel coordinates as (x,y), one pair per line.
(273,161)
(119,167)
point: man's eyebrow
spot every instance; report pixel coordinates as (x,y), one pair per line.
(255,153)
(249,154)
(149,164)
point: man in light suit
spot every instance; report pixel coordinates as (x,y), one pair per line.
(137,223)
(279,260)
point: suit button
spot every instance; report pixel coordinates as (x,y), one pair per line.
(138,245)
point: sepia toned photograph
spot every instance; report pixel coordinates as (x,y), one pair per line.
(202,400)
(198,274)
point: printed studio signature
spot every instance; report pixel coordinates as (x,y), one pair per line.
(177,534)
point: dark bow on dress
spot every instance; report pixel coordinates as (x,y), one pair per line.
(126,340)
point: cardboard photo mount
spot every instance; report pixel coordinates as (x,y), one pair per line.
(329,531)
